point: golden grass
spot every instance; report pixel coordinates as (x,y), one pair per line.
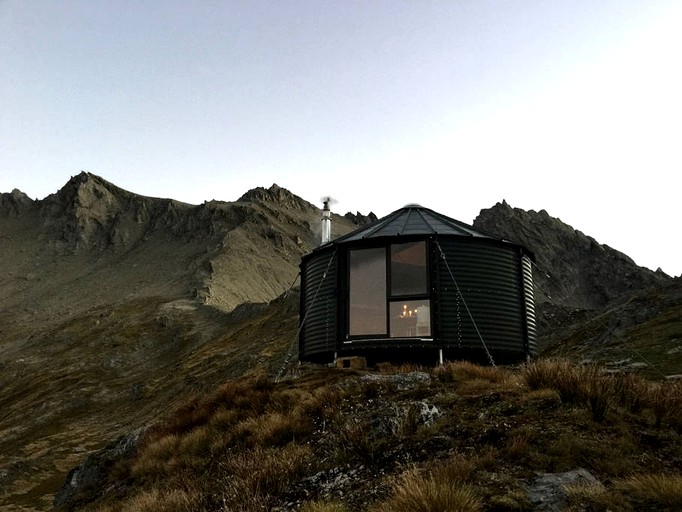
(653,489)
(323,506)
(415,492)
(258,441)
(263,471)
(458,371)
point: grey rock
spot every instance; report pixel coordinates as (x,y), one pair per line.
(91,474)
(547,490)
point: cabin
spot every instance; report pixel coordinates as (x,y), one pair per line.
(417,286)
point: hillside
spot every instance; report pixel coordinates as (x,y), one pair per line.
(116,308)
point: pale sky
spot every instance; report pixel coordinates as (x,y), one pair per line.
(571,106)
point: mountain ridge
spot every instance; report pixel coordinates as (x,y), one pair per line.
(117,307)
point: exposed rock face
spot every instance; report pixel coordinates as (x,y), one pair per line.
(571,269)
(547,492)
(218,253)
(87,478)
(361,220)
(14,203)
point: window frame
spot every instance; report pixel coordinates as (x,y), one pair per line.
(391,298)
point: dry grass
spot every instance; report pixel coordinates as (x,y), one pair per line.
(652,489)
(631,494)
(460,371)
(416,492)
(323,506)
(665,399)
(265,452)
(262,472)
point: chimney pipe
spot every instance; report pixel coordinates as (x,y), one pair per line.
(326,221)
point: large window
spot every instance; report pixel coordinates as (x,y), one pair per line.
(389,291)
(367,292)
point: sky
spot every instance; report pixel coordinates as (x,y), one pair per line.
(571,106)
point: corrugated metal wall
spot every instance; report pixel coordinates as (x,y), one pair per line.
(490,281)
(317,339)
(529,299)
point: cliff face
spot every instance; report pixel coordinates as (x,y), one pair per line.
(572,269)
(218,253)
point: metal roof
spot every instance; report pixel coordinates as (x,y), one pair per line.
(414,220)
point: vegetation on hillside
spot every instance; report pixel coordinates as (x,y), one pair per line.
(457,437)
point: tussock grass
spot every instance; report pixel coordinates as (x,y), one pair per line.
(253,445)
(166,500)
(589,386)
(323,506)
(459,371)
(665,399)
(261,471)
(416,492)
(652,489)
(632,391)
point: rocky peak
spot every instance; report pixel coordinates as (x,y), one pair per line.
(359,219)
(14,203)
(277,195)
(571,269)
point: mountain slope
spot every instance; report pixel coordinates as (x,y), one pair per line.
(116,306)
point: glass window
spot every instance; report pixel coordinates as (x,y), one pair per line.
(410,318)
(408,269)
(367,292)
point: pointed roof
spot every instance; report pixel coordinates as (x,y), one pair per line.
(414,219)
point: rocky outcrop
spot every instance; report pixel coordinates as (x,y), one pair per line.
(360,220)
(547,491)
(15,203)
(87,479)
(572,269)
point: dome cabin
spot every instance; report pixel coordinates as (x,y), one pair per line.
(417,286)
